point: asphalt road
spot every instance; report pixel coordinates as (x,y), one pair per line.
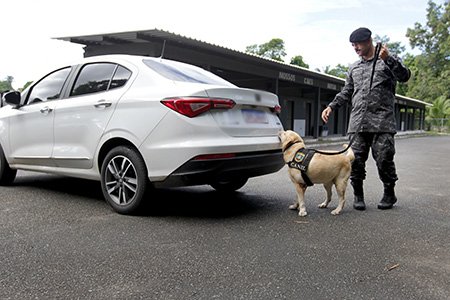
(60,240)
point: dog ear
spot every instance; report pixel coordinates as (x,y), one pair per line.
(295,136)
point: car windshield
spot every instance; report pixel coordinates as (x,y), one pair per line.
(179,72)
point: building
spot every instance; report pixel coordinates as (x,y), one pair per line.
(303,93)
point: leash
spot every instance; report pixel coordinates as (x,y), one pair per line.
(375,58)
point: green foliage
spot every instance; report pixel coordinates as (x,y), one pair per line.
(395,48)
(440,108)
(6,84)
(431,69)
(298,61)
(338,71)
(273,49)
(26,85)
(438,115)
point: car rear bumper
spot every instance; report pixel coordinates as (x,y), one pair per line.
(244,165)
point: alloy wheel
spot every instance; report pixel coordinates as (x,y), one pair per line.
(121,180)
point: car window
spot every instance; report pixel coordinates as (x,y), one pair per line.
(50,87)
(120,77)
(93,78)
(179,72)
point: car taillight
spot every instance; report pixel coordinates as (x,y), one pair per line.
(277,109)
(193,106)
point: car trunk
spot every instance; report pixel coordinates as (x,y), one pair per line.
(253,115)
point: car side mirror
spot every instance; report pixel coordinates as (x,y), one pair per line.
(12,98)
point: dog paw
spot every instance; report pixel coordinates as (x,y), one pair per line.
(302,213)
(335,212)
(323,205)
(293,206)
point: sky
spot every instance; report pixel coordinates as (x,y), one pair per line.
(318,30)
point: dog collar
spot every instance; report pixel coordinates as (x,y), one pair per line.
(289,145)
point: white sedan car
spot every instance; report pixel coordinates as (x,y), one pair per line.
(136,123)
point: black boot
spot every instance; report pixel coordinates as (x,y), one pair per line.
(358,194)
(389,199)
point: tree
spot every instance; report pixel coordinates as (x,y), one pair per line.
(395,48)
(438,113)
(338,71)
(298,61)
(273,49)
(440,108)
(403,87)
(431,69)
(26,85)
(6,84)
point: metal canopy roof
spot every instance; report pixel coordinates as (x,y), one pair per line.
(153,35)
(142,36)
(145,36)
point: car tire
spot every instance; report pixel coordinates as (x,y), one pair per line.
(7,175)
(229,186)
(124,180)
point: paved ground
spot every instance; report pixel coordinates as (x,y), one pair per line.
(59,240)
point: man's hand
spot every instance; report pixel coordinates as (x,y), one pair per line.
(326,114)
(384,52)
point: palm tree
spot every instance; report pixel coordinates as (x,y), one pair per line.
(439,113)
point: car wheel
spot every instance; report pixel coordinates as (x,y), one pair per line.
(124,179)
(7,175)
(230,185)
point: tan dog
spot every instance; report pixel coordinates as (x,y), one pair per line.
(324,169)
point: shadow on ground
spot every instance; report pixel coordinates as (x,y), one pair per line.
(199,201)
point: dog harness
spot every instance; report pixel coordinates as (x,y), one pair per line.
(301,161)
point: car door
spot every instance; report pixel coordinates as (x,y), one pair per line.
(31,125)
(81,119)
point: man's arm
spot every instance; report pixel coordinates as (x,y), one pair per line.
(342,97)
(326,114)
(400,71)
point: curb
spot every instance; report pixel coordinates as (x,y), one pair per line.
(340,140)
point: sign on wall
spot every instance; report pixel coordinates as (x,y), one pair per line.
(299,126)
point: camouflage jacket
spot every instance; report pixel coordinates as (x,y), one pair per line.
(379,102)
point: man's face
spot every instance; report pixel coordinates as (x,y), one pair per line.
(362,48)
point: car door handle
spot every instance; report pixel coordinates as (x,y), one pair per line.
(102,103)
(46,110)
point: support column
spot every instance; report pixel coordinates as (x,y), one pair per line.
(317,114)
(422,119)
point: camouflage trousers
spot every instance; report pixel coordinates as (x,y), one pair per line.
(383,151)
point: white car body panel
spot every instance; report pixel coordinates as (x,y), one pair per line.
(67,139)
(80,123)
(31,137)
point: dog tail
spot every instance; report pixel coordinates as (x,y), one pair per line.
(349,153)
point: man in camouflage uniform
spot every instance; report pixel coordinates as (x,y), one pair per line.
(373,111)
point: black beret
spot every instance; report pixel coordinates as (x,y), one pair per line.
(360,35)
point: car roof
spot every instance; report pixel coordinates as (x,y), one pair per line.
(135,59)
